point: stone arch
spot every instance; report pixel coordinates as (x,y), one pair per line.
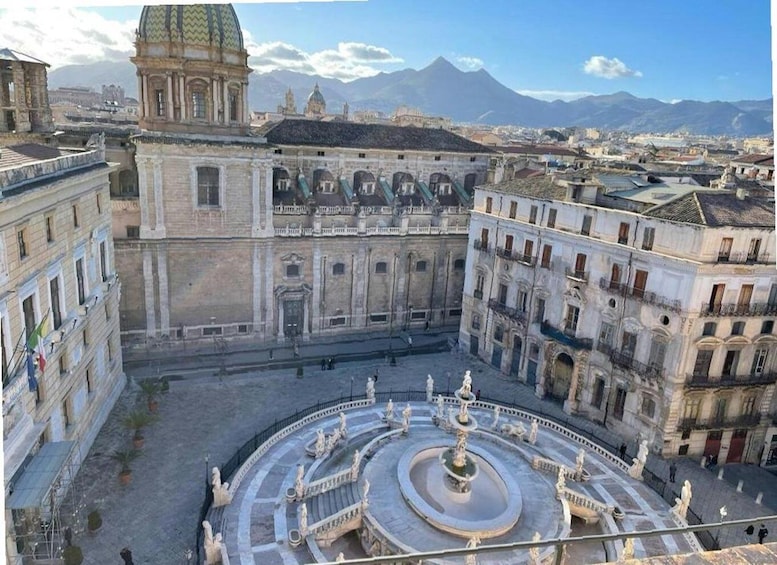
(127,183)
(199,103)
(364,182)
(469,181)
(324,181)
(561,376)
(281,180)
(403,183)
(439,184)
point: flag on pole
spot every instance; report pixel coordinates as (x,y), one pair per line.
(35,342)
(32,382)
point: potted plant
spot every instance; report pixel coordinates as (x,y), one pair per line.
(164,385)
(94,521)
(125,457)
(151,388)
(73,555)
(137,420)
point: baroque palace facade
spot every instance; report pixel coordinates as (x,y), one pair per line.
(301,228)
(646,304)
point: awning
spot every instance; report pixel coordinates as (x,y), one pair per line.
(33,486)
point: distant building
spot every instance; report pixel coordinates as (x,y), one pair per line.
(316,106)
(754,166)
(24,99)
(113,94)
(82,96)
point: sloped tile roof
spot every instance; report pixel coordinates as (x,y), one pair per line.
(755,159)
(717,209)
(533,187)
(369,136)
(26,153)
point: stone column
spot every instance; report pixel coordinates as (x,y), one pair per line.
(256,199)
(170,108)
(182,95)
(145,97)
(164,293)
(258,277)
(159,209)
(225,101)
(266,202)
(143,196)
(246,110)
(360,284)
(148,288)
(142,95)
(570,404)
(20,98)
(269,298)
(216,100)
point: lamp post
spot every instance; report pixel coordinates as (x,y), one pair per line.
(351,394)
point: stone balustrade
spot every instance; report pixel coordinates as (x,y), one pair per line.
(583,501)
(549,466)
(325,484)
(336,520)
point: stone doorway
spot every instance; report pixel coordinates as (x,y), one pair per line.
(561,377)
(293,317)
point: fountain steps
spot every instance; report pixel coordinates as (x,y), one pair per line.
(331,502)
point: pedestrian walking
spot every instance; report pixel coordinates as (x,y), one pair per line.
(126,555)
(331,363)
(749,530)
(477,394)
(375,376)
(622,450)
(323,364)
(672,471)
(271,354)
(426,326)
(762,533)
(296,350)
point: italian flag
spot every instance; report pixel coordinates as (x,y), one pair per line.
(35,342)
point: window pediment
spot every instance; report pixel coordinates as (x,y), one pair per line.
(708,342)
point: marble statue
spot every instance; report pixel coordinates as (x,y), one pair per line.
(299,483)
(497,412)
(221,496)
(628,549)
(579,462)
(516,431)
(320,443)
(643,452)
(406,418)
(440,407)
(466,386)
(534,552)
(473,542)
(429,388)
(390,411)
(638,463)
(343,426)
(682,503)
(355,465)
(303,519)
(340,558)
(365,492)
(211,544)
(461,442)
(533,431)
(561,482)
(370,389)
(333,440)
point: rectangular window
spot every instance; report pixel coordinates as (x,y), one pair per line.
(528,250)
(716,297)
(606,336)
(436,157)
(75,216)
(533,215)
(547,252)
(89,385)
(513,210)
(598,397)
(103,265)
(207,186)
(657,354)
(539,311)
(748,406)
(586,229)
(198,105)
(232,107)
(623,233)
(725,249)
(521,300)
(489,204)
(640,282)
(502,294)
(509,244)
(133,232)
(49,229)
(56,311)
(85,338)
(552,218)
(109,347)
(499,333)
(580,261)
(620,403)
(63,362)
(400,157)
(479,283)
(159,98)
(648,235)
(753,250)
(745,294)
(484,238)
(759,361)
(691,409)
(362,155)
(701,367)
(80,285)
(570,322)
(721,404)
(730,362)
(629,344)
(66,413)
(28,309)
(378,318)
(20,237)
(475,322)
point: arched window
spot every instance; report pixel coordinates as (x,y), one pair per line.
(207,186)
(420,266)
(198,96)
(475,321)
(338,269)
(292,270)
(127,183)
(381,267)
(458,265)
(233,105)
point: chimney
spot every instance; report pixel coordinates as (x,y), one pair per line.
(741,193)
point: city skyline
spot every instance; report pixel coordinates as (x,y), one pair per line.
(688,51)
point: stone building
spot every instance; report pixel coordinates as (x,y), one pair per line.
(316,105)
(302,228)
(648,306)
(24,98)
(56,273)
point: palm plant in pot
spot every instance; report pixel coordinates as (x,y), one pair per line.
(125,457)
(151,388)
(137,420)
(94,521)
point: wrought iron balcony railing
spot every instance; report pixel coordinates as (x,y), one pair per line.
(565,337)
(625,360)
(622,289)
(750,309)
(742,421)
(744,258)
(576,274)
(721,381)
(507,311)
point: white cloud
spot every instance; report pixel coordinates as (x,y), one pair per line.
(349,61)
(470,63)
(62,36)
(602,67)
(551,95)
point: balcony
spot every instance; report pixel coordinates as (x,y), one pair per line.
(724,381)
(754,309)
(505,253)
(717,422)
(566,337)
(627,361)
(621,289)
(577,275)
(478,294)
(482,246)
(507,311)
(744,258)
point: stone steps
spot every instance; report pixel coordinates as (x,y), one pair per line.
(331,502)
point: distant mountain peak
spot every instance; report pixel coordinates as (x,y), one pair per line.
(441,63)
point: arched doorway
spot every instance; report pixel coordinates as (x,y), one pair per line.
(515,364)
(561,377)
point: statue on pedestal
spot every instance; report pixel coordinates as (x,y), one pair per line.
(406,418)
(299,483)
(429,388)
(638,463)
(303,520)
(628,549)
(534,552)
(365,491)
(355,465)
(320,443)
(211,544)
(497,412)
(579,462)
(682,503)
(343,427)
(370,389)
(473,542)
(440,407)
(466,386)
(221,496)
(390,411)
(533,431)
(561,482)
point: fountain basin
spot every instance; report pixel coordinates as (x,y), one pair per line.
(490,508)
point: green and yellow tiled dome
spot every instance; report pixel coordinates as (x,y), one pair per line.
(200,24)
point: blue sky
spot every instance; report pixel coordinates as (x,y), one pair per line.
(665,49)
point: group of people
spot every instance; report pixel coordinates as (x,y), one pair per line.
(327,363)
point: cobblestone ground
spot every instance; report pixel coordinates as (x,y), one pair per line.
(204,419)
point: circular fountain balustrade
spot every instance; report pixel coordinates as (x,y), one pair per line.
(491,508)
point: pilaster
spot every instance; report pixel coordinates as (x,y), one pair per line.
(317,283)
(164,294)
(257,272)
(148,288)
(269,299)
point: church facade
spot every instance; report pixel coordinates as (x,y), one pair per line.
(305,227)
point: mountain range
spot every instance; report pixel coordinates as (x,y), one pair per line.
(441,89)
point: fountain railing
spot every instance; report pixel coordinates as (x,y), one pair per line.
(579,499)
(336,520)
(551,425)
(551,466)
(326,484)
(288,430)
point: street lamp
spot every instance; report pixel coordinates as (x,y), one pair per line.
(351,395)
